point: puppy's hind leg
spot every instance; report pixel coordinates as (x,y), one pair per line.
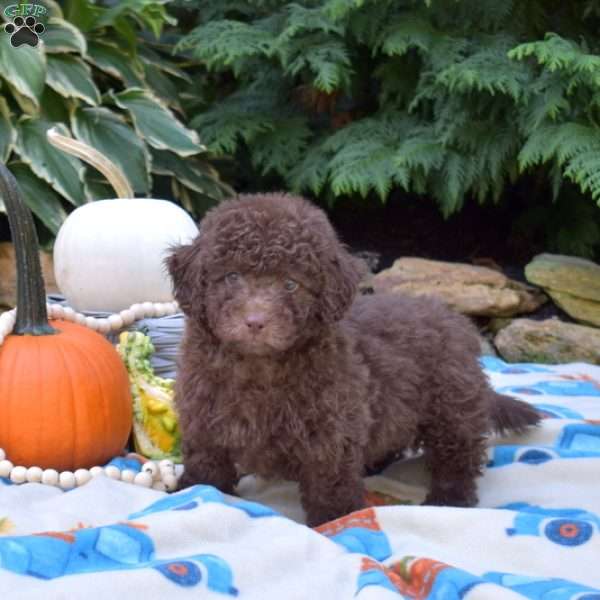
(455,453)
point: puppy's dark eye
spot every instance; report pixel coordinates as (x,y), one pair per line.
(290,285)
(232,277)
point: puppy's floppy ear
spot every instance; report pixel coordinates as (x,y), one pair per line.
(342,273)
(185,275)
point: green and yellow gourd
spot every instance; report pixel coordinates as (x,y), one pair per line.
(155,425)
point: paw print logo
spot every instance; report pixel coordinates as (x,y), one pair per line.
(24,31)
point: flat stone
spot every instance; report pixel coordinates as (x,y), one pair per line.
(575,276)
(573,283)
(550,341)
(581,309)
(8,274)
(471,290)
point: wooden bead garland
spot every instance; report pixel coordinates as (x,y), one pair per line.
(159,476)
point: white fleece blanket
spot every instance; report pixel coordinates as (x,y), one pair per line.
(535,533)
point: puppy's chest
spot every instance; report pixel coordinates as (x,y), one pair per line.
(267,435)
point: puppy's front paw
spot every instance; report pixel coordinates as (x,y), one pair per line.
(460,498)
(186,480)
(191,477)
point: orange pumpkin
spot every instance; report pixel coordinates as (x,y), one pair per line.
(65,401)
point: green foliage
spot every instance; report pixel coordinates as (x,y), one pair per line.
(101,74)
(449,98)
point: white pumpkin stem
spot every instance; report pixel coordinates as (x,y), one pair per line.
(90,155)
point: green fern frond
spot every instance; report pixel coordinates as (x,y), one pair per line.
(340,9)
(557,53)
(299,19)
(546,102)
(219,44)
(575,148)
(241,116)
(487,69)
(311,173)
(327,59)
(282,146)
(412,31)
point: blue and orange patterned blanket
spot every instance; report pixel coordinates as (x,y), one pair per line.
(535,533)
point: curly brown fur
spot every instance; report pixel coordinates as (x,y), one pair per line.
(286,372)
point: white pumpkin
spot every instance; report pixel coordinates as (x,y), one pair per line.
(110,254)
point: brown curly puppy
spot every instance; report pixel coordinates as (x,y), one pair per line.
(284,372)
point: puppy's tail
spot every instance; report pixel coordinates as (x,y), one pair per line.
(511,415)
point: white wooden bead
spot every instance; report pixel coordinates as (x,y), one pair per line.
(138,311)
(57,311)
(160,486)
(92,323)
(160,309)
(2,454)
(128,316)
(152,468)
(69,313)
(127,475)
(80,319)
(66,480)
(50,477)
(148,309)
(113,472)
(18,474)
(166,466)
(170,482)
(5,468)
(82,476)
(143,479)
(97,471)
(34,474)
(103,326)
(115,322)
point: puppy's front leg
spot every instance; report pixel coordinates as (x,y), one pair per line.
(208,465)
(331,490)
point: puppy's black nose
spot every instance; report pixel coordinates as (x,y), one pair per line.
(255,321)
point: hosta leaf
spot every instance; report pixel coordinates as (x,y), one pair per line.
(161,85)
(8,133)
(72,78)
(82,13)
(39,197)
(194,202)
(156,123)
(53,106)
(150,12)
(115,62)
(149,56)
(61,171)
(24,68)
(54,9)
(193,173)
(96,189)
(108,133)
(61,36)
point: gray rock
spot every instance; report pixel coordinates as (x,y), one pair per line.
(551,341)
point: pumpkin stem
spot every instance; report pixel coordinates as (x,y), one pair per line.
(32,317)
(90,155)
